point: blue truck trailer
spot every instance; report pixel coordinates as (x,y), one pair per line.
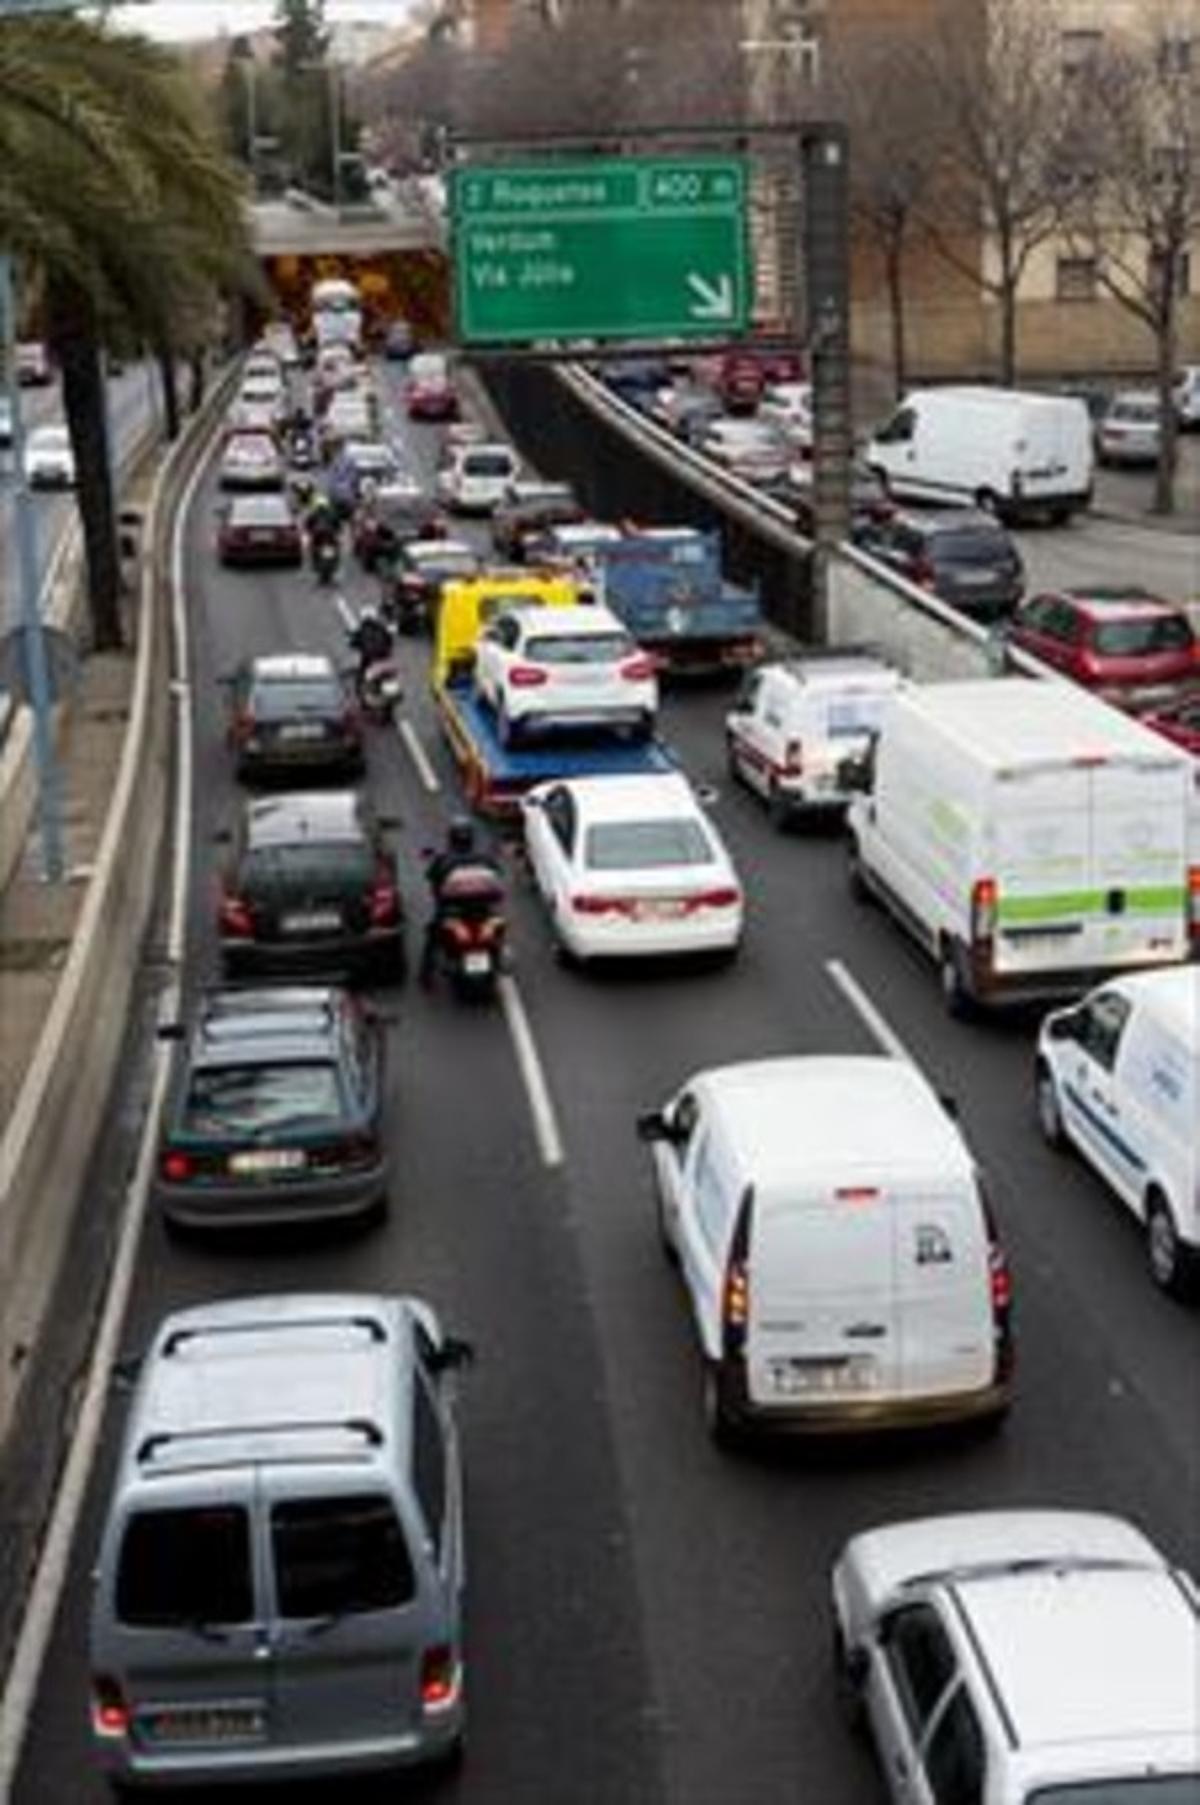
(668,587)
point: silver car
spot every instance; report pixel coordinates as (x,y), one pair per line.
(279,1589)
(1130,429)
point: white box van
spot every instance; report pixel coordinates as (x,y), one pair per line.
(1119,1077)
(797,722)
(835,1245)
(1017,453)
(1030,837)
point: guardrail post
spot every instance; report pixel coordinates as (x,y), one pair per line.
(825,239)
(33,644)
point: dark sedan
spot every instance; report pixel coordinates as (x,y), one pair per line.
(527,510)
(275,1113)
(259,529)
(292,713)
(310,886)
(421,568)
(964,557)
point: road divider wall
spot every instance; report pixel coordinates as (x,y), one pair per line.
(48,1140)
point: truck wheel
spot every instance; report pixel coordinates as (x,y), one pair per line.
(779,809)
(956,991)
(848,1691)
(1170,1266)
(725,1426)
(1049,1110)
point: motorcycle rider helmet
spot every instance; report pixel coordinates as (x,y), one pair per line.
(461,835)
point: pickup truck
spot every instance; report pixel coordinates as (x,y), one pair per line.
(667,586)
(495,776)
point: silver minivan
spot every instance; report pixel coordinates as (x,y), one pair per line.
(279,1587)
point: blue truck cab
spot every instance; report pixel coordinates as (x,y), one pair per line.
(667,585)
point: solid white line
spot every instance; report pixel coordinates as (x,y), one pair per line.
(541,1106)
(419,756)
(875,1021)
(41,1606)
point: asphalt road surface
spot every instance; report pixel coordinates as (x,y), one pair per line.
(647,1616)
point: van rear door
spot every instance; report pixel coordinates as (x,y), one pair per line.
(823,1324)
(943,1292)
(1090,866)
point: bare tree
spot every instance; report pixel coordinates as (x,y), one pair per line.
(1130,193)
(995,72)
(886,95)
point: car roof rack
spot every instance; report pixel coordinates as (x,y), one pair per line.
(159,1440)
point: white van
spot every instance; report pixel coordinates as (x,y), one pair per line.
(797,722)
(1119,1077)
(1030,837)
(835,1245)
(1016,453)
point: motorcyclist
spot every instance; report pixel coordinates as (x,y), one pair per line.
(322,522)
(372,640)
(461,850)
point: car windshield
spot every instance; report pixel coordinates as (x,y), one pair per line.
(975,547)
(649,845)
(252,447)
(257,1100)
(1134,637)
(49,438)
(279,699)
(1141,411)
(579,648)
(428,369)
(261,510)
(334,863)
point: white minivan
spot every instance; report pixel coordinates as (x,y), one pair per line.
(835,1245)
(1015,453)
(1119,1078)
(1031,838)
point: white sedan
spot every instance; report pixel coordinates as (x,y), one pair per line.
(475,477)
(541,668)
(49,459)
(631,867)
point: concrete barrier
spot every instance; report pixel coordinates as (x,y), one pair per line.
(48,1140)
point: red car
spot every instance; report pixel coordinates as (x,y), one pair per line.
(1179,721)
(1118,641)
(259,529)
(429,393)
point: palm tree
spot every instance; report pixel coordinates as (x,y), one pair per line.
(120,202)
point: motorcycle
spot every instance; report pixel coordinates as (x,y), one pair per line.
(469,933)
(405,606)
(380,690)
(301,449)
(326,556)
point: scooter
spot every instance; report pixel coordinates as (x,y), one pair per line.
(469,944)
(404,605)
(380,691)
(326,556)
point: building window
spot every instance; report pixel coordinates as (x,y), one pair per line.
(1174,55)
(1075,279)
(1183,273)
(1077,49)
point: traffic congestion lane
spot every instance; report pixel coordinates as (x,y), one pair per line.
(557,1672)
(1092,550)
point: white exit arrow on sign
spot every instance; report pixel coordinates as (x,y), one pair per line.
(713,300)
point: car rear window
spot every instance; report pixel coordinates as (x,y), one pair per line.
(277,700)
(975,547)
(260,510)
(1133,638)
(334,862)
(637,845)
(440,564)
(185,1567)
(487,463)
(1142,411)
(255,1100)
(579,648)
(339,1556)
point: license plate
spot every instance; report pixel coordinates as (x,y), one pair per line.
(806,1378)
(302,730)
(974,579)
(311,921)
(666,908)
(475,964)
(260,537)
(215,1723)
(266,1159)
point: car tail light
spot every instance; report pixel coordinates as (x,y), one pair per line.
(639,669)
(793,758)
(1194,906)
(1001,1291)
(235,917)
(110,1713)
(726,897)
(735,1291)
(174,1167)
(527,676)
(984,899)
(602,905)
(383,900)
(441,1679)
(351,1150)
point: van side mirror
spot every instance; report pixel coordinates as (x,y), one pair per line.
(452,1353)
(223,836)
(858,1666)
(1064,1027)
(170,1031)
(653,1125)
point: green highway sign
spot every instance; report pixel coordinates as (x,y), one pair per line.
(640,247)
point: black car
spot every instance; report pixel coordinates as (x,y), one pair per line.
(421,567)
(525,511)
(310,885)
(274,1114)
(293,712)
(964,557)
